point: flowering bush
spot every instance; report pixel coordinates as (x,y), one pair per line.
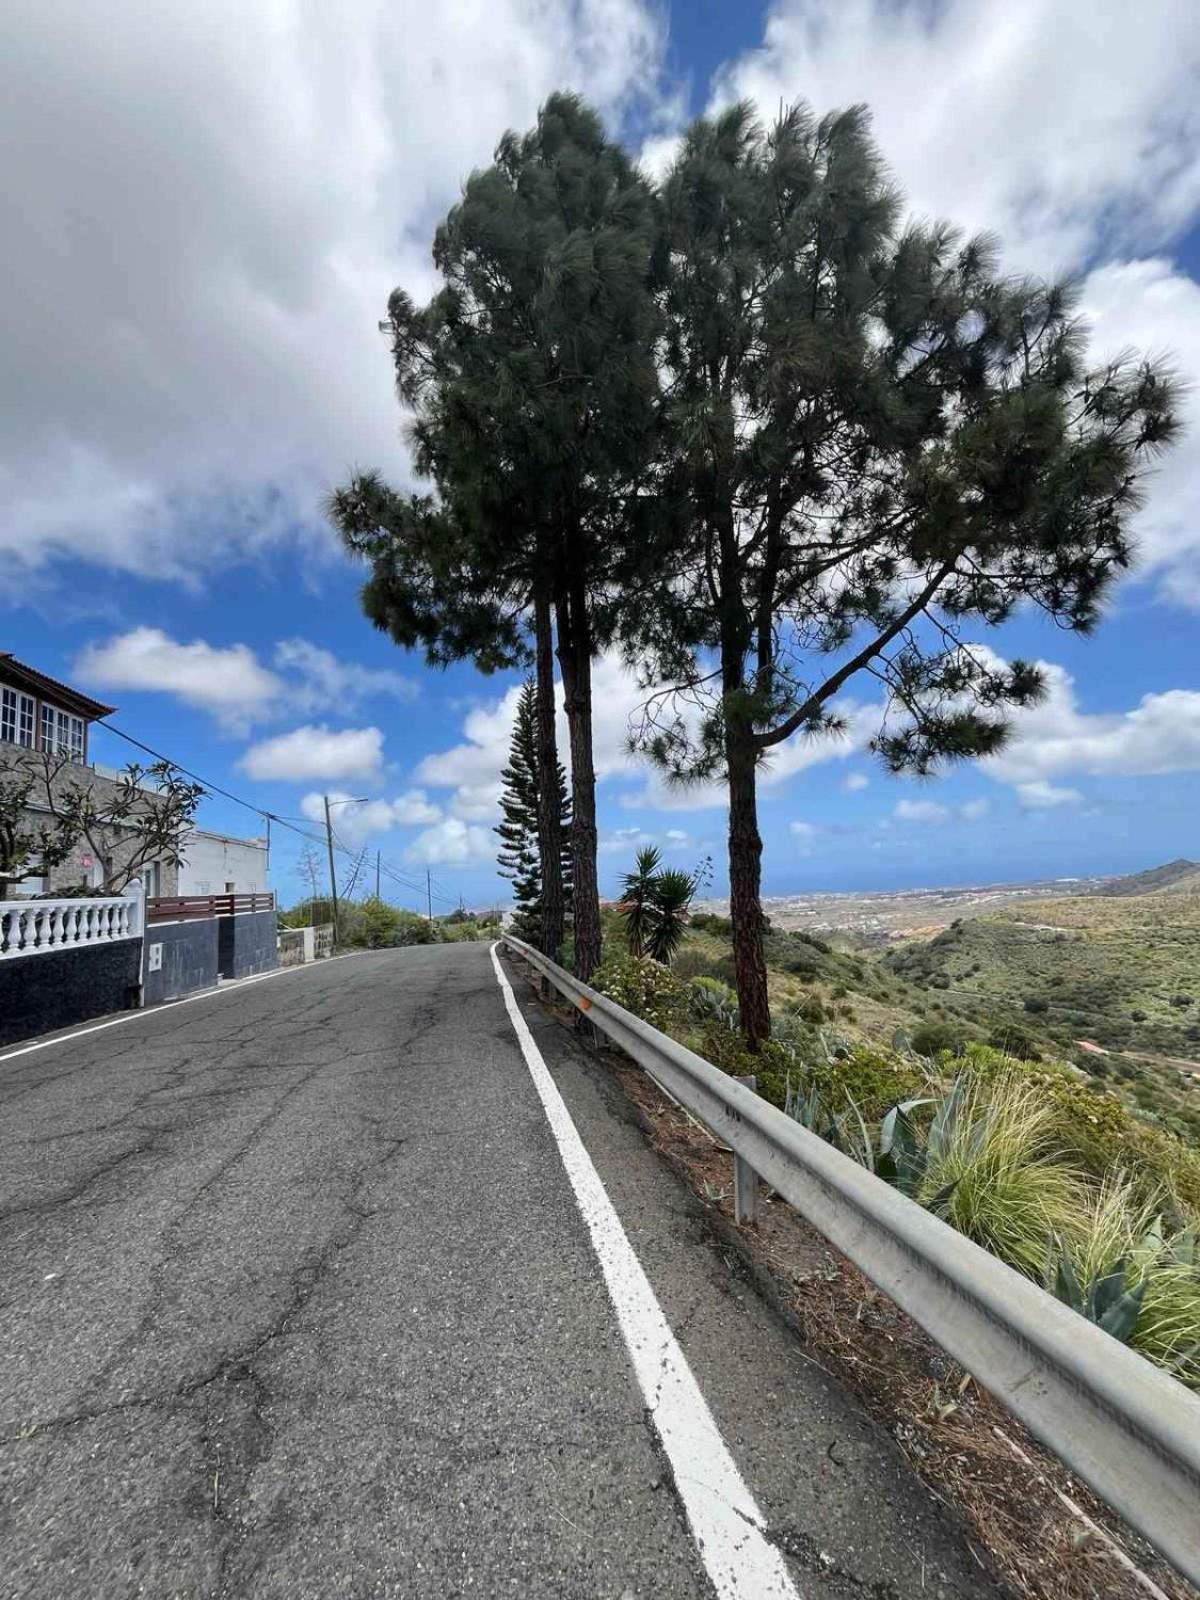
(645,987)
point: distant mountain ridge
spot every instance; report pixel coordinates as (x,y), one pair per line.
(1173,877)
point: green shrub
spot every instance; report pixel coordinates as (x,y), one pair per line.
(697,964)
(932,1038)
(876,1081)
(710,998)
(811,1010)
(647,988)
(1015,1041)
(413,929)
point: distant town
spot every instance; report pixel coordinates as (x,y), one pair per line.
(880,916)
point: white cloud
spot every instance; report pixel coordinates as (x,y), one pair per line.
(356,820)
(624,841)
(318,681)
(230,683)
(1149,306)
(974,810)
(317,753)
(477,802)
(1055,125)
(451,843)
(472,767)
(476,762)
(185,400)
(1040,795)
(920,811)
(855,782)
(1056,739)
(802,830)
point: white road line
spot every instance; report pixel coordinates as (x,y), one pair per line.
(152,1011)
(726,1524)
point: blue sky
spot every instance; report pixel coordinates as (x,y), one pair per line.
(191,304)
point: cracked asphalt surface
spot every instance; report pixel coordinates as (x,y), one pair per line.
(295,1301)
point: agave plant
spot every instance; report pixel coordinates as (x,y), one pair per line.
(898,1156)
(711,1000)
(1110,1300)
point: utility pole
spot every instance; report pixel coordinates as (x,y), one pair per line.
(377,855)
(332,873)
(428,894)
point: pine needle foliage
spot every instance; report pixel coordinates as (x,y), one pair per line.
(877,445)
(519,856)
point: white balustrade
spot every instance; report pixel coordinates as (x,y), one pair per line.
(29,927)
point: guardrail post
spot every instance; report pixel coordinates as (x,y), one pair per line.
(745,1179)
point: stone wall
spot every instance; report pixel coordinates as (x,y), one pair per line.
(60,988)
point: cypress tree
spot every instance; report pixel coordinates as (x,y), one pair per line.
(519,857)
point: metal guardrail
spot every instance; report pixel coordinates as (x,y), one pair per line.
(182,908)
(1122,1425)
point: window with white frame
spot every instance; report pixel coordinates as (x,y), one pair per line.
(16,717)
(62,734)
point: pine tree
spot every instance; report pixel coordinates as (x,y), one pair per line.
(876,446)
(519,857)
(533,382)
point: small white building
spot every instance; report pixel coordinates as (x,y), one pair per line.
(215,863)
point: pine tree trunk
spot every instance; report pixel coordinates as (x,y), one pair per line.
(549,821)
(575,658)
(745,875)
(741,766)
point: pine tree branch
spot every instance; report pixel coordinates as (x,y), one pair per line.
(815,700)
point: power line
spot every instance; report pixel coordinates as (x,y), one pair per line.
(261,811)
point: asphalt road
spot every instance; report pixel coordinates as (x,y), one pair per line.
(296,1300)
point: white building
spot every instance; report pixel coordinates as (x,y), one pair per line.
(215,863)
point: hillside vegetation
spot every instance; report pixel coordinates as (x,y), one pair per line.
(1122,971)
(1172,876)
(1068,1173)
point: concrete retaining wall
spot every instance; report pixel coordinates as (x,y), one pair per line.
(60,988)
(188,957)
